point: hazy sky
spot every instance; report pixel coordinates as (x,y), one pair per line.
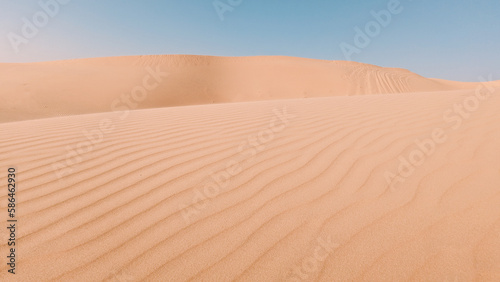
(449,39)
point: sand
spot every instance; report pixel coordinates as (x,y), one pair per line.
(51,89)
(400,186)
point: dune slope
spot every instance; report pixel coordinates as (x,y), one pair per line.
(261,191)
(50,89)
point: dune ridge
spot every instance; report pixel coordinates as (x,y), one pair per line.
(82,86)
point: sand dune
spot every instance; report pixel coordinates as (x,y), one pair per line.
(50,89)
(279,190)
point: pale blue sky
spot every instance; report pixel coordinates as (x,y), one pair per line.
(449,39)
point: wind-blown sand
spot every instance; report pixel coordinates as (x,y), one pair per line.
(290,189)
(39,90)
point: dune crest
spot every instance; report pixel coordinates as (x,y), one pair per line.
(60,88)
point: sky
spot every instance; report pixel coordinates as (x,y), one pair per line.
(447,39)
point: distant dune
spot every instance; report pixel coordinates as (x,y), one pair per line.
(380,187)
(39,90)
